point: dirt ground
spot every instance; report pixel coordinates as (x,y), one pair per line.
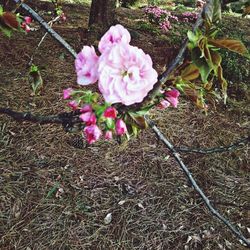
(55,194)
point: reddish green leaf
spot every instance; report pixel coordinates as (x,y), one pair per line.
(10,20)
(190,73)
(233,45)
(139,120)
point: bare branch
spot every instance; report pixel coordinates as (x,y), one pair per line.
(242,142)
(194,183)
(66,119)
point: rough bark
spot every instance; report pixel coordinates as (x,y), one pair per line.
(102,14)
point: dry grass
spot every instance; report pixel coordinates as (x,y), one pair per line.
(152,204)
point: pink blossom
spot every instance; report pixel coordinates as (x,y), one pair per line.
(165,25)
(86,108)
(67,93)
(63,17)
(163,104)
(92,133)
(27,19)
(86,64)
(73,105)
(108,135)
(116,34)
(110,112)
(172,97)
(25,27)
(120,127)
(126,74)
(89,118)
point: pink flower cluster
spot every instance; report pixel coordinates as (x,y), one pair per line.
(164,17)
(124,73)
(156,12)
(188,17)
(92,131)
(161,17)
(165,25)
(170,99)
(25,24)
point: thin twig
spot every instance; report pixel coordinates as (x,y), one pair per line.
(50,23)
(194,183)
(44,24)
(242,142)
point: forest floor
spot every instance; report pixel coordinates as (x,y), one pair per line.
(55,195)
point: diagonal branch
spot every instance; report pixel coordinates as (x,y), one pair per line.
(194,183)
(46,26)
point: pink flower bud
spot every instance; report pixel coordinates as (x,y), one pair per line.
(120,127)
(92,133)
(23,25)
(89,118)
(108,135)
(63,17)
(172,97)
(110,112)
(163,104)
(27,28)
(67,93)
(73,105)
(86,108)
(28,19)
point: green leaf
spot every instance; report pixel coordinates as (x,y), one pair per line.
(233,45)
(1,10)
(36,80)
(135,130)
(52,190)
(110,123)
(6,31)
(193,38)
(99,109)
(201,63)
(212,12)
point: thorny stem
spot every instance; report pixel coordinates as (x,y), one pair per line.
(193,182)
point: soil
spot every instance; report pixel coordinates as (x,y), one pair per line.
(55,191)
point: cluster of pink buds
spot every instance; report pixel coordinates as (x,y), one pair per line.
(92,131)
(170,99)
(25,24)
